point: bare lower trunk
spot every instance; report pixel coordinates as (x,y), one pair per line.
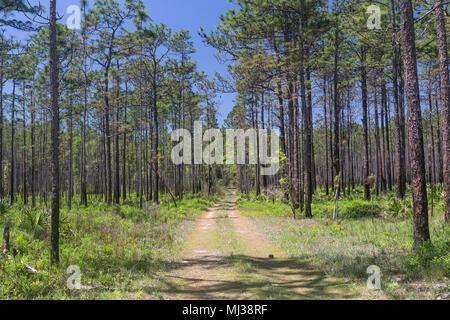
(377,144)
(13,164)
(365,126)
(2,189)
(336,151)
(307,135)
(33,156)
(107,142)
(388,140)
(326,132)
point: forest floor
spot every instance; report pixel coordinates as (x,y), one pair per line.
(364,236)
(243,247)
(226,257)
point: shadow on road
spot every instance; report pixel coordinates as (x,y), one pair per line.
(263,279)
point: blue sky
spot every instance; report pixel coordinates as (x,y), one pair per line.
(177,14)
(191,15)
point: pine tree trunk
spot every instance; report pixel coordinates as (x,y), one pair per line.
(377,144)
(2,187)
(398,134)
(439,143)
(108,169)
(156,140)
(349,144)
(116,142)
(306,108)
(309,103)
(124,147)
(415,134)
(33,154)
(445,87)
(388,139)
(83,174)
(13,164)
(24,152)
(326,133)
(70,187)
(336,153)
(54,252)
(293,144)
(365,127)
(432,158)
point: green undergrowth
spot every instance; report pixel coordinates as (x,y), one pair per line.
(116,248)
(350,247)
(260,207)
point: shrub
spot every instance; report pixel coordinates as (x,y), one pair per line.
(35,221)
(432,260)
(357,209)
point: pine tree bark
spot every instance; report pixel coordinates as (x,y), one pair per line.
(433,157)
(388,169)
(255,126)
(116,141)
(307,116)
(365,126)
(349,143)
(83,174)
(415,132)
(13,155)
(24,145)
(156,140)
(292,132)
(2,188)
(439,144)
(337,112)
(108,168)
(398,133)
(310,120)
(33,153)
(377,143)
(53,61)
(124,147)
(403,151)
(325,125)
(70,187)
(445,87)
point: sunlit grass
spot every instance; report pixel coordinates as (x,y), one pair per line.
(348,248)
(117,248)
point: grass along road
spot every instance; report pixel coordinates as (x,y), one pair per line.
(225,257)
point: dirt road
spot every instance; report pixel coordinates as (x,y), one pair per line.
(225,257)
